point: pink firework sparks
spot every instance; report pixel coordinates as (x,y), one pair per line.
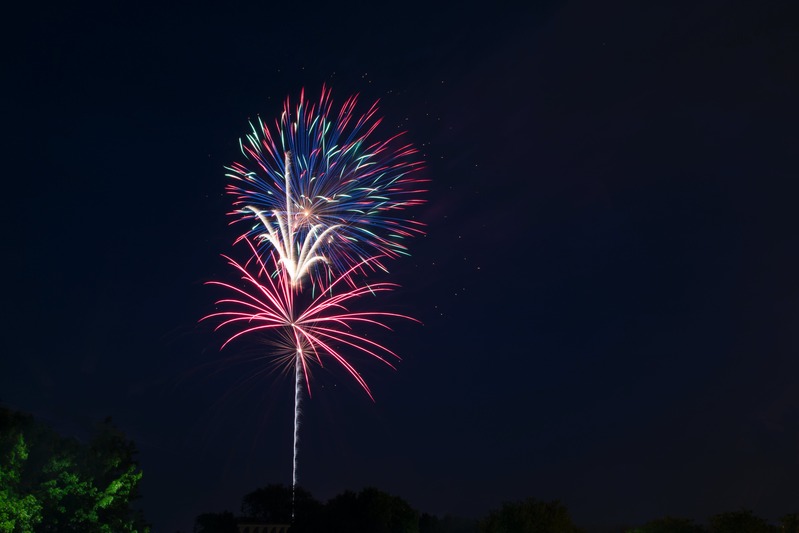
(319,330)
(313,329)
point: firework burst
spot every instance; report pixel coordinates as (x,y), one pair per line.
(316,331)
(321,328)
(317,188)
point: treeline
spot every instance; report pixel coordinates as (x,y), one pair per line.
(374,511)
(50,483)
(367,511)
(743,521)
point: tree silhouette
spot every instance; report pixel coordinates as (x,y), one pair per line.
(669,524)
(789,523)
(223,522)
(743,521)
(430,524)
(273,504)
(448,524)
(370,511)
(529,516)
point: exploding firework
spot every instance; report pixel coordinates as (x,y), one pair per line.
(322,201)
(318,190)
(319,328)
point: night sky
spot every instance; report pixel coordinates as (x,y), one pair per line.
(607,283)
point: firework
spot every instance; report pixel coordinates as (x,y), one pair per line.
(309,329)
(322,201)
(318,190)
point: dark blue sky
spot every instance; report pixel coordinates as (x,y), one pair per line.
(607,285)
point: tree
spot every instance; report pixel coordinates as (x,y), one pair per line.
(529,516)
(341,513)
(386,513)
(743,521)
(789,523)
(449,524)
(430,524)
(459,524)
(273,504)
(670,524)
(370,511)
(57,484)
(19,512)
(223,522)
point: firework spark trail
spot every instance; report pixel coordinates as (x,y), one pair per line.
(297,409)
(319,190)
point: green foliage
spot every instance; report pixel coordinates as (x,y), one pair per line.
(743,521)
(529,516)
(52,484)
(19,512)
